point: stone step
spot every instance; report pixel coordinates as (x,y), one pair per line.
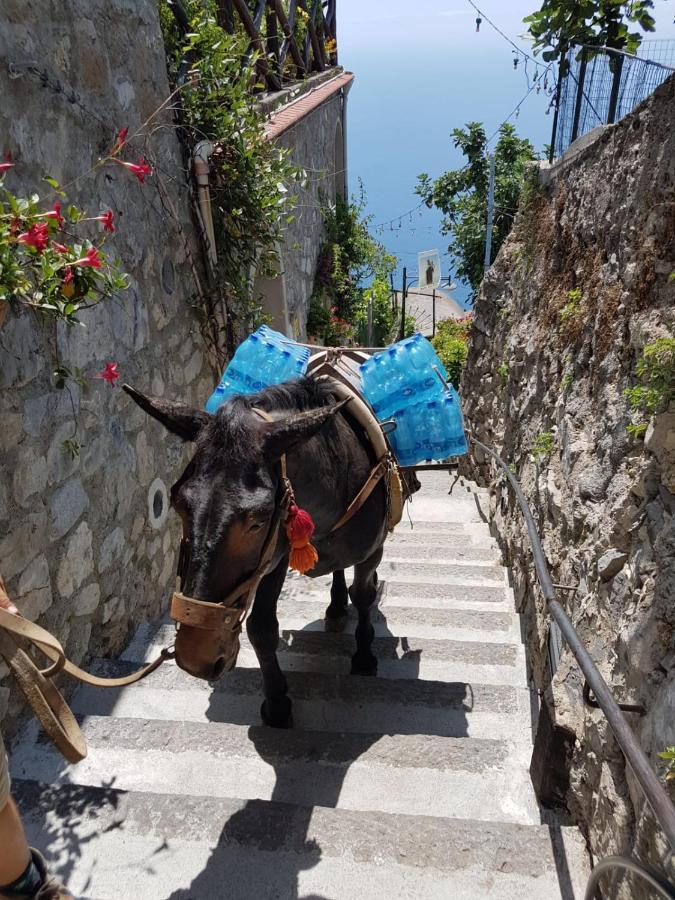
(339,703)
(405,528)
(440,551)
(316,642)
(304,654)
(411,593)
(147,846)
(413,774)
(425,572)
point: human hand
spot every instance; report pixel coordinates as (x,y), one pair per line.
(5,602)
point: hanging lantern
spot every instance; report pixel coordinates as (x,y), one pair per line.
(478,24)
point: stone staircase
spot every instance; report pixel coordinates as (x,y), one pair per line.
(412,784)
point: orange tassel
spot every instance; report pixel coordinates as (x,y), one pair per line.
(304,558)
(299,530)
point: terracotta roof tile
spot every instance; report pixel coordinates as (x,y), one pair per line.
(286,116)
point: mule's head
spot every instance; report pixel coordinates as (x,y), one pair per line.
(227,499)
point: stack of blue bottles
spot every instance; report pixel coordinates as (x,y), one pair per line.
(264,358)
(407,383)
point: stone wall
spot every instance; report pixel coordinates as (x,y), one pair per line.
(312,144)
(86,544)
(578,289)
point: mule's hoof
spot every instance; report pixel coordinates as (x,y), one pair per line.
(278,713)
(335,625)
(364,664)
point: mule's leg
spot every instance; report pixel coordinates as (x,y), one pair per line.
(263,631)
(336,613)
(363,593)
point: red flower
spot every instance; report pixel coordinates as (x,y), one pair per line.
(60,248)
(120,140)
(54,214)
(140,169)
(109,373)
(107,219)
(92,259)
(36,237)
(15,225)
(8,164)
(68,275)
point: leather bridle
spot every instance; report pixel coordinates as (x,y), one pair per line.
(228,615)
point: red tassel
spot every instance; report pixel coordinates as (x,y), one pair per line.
(299,530)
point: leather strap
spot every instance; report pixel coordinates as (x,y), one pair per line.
(38,689)
(376,474)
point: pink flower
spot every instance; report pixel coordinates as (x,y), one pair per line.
(109,373)
(92,259)
(60,248)
(139,169)
(68,275)
(36,237)
(107,219)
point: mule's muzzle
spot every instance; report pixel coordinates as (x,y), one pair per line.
(207,643)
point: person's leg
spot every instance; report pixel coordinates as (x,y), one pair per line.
(15,854)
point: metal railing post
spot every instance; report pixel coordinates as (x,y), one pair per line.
(616,84)
(580,94)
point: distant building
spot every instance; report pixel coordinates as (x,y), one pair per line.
(419,303)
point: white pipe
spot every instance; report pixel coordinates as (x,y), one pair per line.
(201,167)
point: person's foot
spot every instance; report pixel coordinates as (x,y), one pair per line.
(49,888)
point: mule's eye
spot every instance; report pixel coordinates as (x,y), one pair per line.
(256,526)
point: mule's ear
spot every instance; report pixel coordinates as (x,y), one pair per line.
(286,434)
(176,418)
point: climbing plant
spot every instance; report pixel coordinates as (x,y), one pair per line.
(53,261)
(451,344)
(462,195)
(559,24)
(351,266)
(656,371)
(251,177)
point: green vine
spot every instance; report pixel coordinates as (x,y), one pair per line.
(250,176)
(656,369)
(352,268)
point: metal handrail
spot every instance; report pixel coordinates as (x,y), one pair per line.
(663,889)
(635,756)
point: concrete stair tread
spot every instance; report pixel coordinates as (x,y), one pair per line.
(147,846)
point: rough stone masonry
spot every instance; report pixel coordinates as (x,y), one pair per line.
(577,291)
(86,543)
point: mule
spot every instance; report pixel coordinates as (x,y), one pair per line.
(227,499)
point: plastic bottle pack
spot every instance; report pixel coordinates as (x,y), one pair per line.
(407,383)
(264,358)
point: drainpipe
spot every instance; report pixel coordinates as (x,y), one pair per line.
(201,168)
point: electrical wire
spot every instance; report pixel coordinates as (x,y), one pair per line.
(506,37)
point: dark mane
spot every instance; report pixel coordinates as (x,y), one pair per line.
(294,396)
(233,428)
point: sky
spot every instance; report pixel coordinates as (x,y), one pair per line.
(421,70)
